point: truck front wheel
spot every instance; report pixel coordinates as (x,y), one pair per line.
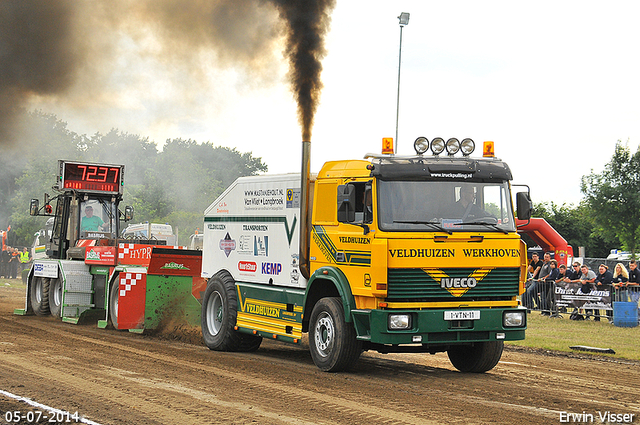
(477,358)
(39,296)
(332,341)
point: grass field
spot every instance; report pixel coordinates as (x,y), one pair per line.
(560,334)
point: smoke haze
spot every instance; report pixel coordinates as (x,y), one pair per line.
(80,54)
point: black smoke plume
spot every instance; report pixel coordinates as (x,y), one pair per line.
(307,23)
(70,51)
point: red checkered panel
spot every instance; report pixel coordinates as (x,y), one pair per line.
(132,298)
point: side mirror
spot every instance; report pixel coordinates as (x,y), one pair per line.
(34,207)
(346,203)
(128,213)
(524,205)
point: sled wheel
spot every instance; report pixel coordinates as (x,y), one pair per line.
(39,296)
(332,341)
(114,296)
(55,297)
(476,358)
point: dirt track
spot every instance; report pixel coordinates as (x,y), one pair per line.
(113,377)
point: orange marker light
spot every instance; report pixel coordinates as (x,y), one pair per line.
(387,145)
(487,150)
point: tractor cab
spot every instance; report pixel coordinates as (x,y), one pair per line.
(86,211)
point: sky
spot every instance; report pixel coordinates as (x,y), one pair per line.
(555,84)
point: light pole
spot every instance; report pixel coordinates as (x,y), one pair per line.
(404,20)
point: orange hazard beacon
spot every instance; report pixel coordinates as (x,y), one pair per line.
(392,253)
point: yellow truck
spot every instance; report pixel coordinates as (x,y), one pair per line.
(391,253)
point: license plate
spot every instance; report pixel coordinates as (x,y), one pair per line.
(462,315)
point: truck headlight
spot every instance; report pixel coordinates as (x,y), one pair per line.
(398,322)
(512,319)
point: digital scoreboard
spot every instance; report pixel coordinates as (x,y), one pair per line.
(88,177)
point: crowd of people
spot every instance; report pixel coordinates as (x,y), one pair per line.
(13,261)
(543,274)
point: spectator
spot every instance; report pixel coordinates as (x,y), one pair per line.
(573,275)
(546,290)
(603,283)
(586,280)
(562,273)
(562,277)
(620,281)
(14,261)
(5,256)
(634,280)
(534,269)
(535,265)
(634,273)
(25,258)
(543,271)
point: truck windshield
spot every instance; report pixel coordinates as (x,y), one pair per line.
(444,206)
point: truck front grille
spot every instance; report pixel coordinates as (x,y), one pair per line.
(418,285)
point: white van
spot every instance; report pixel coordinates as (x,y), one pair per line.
(161,232)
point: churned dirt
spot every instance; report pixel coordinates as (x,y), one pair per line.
(170,377)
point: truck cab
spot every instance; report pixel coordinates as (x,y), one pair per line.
(428,246)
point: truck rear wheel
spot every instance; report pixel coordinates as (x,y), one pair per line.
(39,296)
(477,358)
(55,297)
(218,318)
(332,341)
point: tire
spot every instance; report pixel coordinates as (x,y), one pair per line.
(219,314)
(249,343)
(477,358)
(332,341)
(39,296)
(114,296)
(55,297)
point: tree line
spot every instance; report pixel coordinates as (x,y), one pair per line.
(173,185)
(609,214)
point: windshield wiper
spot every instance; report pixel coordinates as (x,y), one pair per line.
(434,224)
(484,223)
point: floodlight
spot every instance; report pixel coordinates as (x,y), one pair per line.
(404,18)
(437,145)
(453,146)
(467,146)
(421,145)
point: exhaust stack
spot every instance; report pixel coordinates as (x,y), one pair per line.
(305,227)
